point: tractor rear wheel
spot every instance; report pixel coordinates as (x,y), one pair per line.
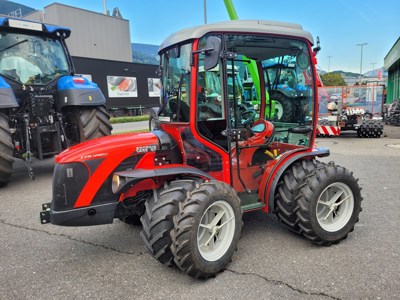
(207,230)
(157,220)
(6,151)
(86,123)
(288,186)
(329,204)
(283,108)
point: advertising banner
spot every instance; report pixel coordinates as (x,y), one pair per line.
(154,87)
(121,87)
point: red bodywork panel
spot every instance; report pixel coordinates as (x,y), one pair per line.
(113,149)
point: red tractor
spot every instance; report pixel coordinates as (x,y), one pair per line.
(214,157)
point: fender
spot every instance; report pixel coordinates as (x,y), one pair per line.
(78,91)
(278,169)
(154,110)
(124,180)
(7,96)
(288,92)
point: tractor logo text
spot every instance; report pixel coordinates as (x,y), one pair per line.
(144,149)
(93,156)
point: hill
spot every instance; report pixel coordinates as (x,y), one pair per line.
(145,53)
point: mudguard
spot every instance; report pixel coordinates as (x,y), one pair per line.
(7,97)
(288,92)
(271,180)
(78,91)
(154,110)
(131,177)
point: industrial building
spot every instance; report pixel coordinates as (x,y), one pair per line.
(392,64)
(93,34)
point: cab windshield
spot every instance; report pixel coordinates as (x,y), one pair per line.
(33,60)
(175,96)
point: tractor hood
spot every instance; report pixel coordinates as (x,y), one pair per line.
(115,146)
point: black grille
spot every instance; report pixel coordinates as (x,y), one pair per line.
(68,182)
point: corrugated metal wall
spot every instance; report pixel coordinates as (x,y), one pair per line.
(393,89)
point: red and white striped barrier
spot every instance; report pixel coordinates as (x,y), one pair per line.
(323,130)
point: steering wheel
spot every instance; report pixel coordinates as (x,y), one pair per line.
(247,115)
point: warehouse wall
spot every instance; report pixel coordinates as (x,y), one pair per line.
(93,34)
(100,69)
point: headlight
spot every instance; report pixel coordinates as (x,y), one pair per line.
(116,183)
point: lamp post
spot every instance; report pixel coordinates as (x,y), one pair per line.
(361,45)
(329,62)
(373,67)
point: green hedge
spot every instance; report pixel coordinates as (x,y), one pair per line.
(129,119)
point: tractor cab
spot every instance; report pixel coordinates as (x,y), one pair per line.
(204,104)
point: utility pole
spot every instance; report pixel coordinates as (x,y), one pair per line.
(361,45)
(104,7)
(329,62)
(205,11)
(373,67)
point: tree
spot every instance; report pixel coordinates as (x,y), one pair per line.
(333,79)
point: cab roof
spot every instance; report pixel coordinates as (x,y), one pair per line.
(248,26)
(29,26)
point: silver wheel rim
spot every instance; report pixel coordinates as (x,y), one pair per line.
(216,230)
(335,206)
(279,107)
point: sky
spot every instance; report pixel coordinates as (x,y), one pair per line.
(340,24)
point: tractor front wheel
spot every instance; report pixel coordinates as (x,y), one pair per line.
(329,204)
(157,220)
(86,122)
(207,230)
(6,151)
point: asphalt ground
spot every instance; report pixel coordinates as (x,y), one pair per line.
(110,261)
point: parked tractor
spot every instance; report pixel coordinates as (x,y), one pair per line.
(44,108)
(211,160)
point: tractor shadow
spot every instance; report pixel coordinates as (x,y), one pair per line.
(42,170)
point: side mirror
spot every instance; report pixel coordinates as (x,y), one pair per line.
(211,53)
(317,48)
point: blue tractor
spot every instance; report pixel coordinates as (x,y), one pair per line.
(44,107)
(288,88)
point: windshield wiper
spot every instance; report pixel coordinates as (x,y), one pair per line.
(16,44)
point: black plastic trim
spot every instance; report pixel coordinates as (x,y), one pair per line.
(84,216)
